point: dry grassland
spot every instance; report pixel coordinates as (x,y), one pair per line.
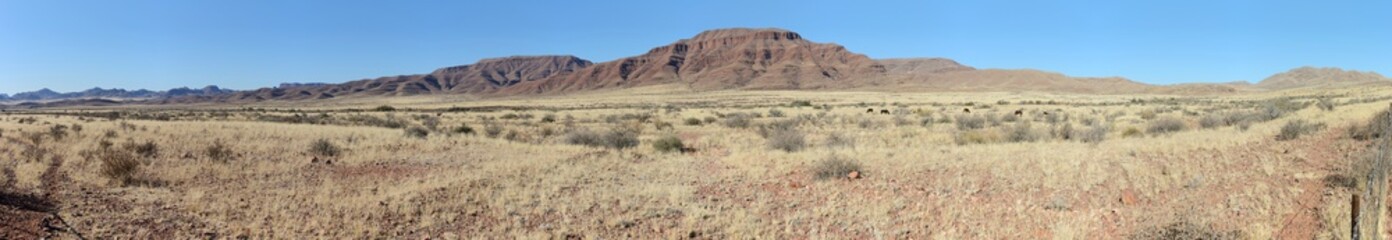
(725,165)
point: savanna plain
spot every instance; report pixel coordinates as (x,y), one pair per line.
(711,165)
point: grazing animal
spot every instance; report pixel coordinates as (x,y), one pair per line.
(884,111)
(1019,112)
(871,110)
(966,110)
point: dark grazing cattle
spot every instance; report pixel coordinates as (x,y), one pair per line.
(871,110)
(966,110)
(884,111)
(1019,112)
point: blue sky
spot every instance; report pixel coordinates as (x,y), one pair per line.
(75,45)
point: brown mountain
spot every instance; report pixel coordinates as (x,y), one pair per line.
(1317,77)
(739,58)
(485,76)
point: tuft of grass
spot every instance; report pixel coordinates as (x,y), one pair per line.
(668,144)
(1094,134)
(324,148)
(838,140)
(837,167)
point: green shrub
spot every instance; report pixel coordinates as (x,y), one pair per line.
(668,144)
(384,108)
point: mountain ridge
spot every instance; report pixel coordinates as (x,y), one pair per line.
(718,59)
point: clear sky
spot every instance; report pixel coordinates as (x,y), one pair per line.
(74,45)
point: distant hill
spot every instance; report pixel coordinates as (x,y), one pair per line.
(1316,77)
(46,94)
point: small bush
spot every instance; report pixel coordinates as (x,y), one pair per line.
(692,122)
(668,144)
(837,167)
(384,108)
(492,130)
(58,132)
(463,129)
(1375,128)
(1132,132)
(118,166)
(614,139)
(1165,125)
(1148,114)
(978,136)
(1095,134)
(969,122)
(709,120)
(1325,104)
(775,113)
(1210,121)
(1294,128)
(788,140)
(549,118)
(324,148)
(737,121)
(835,140)
(147,149)
(801,103)
(417,132)
(218,152)
(1021,132)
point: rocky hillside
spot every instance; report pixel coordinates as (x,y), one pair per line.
(738,58)
(1316,77)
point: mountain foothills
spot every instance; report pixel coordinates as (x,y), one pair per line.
(722,59)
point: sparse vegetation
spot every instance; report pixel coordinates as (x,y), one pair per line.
(613,139)
(324,148)
(838,167)
(1295,128)
(668,144)
(218,152)
(1165,125)
(417,132)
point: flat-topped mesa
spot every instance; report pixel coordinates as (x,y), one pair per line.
(746,34)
